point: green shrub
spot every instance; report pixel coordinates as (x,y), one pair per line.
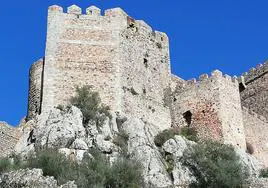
(54,164)
(169,163)
(93,172)
(8,164)
(5,165)
(98,172)
(121,140)
(188,133)
(215,165)
(125,173)
(164,136)
(89,103)
(264,173)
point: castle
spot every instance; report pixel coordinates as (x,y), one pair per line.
(129,65)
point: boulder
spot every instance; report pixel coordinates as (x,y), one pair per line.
(175,147)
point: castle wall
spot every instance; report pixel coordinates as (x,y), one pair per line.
(82,50)
(256,128)
(9,136)
(145,73)
(35,88)
(215,109)
(255,95)
(176,84)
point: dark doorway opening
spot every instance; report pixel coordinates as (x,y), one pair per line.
(188,117)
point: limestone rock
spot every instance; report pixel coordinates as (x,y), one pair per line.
(175,147)
(104,145)
(250,162)
(141,146)
(79,144)
(27,178)
(60,128)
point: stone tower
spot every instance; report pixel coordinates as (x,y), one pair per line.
(122,58)
(212,107)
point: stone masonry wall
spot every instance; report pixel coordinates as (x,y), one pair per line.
(123,59)
(256,129)
(255,95)
(35,88)
(215,108)
(8,139)
(82,50)
(145,73)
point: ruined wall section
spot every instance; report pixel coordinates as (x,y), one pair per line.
(35,88)
(82,50)
(9,136)
(145,70)
(215,108)
(255,95)
(256,128)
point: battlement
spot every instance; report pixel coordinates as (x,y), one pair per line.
(215,76)
(113,15)
(92,11)
(254,73)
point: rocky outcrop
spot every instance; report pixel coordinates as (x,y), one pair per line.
(141,146)
(162,166)
(63,129)
(175,148)
(33,178)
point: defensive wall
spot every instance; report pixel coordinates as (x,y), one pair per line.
(254,89)
(256,129)
(9,136)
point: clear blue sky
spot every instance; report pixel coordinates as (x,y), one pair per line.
(229,35)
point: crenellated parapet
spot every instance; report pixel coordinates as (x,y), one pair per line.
(215,76)
(253,86)
(254,73)
(111,14)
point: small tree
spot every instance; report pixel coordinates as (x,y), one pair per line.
(215,165)
(89,103)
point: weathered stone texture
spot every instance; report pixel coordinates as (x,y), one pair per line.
(8,138)
(213,107)
(123,59)
(255,95)
(145,73)
(256,129)
(35,88)
(82,51)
